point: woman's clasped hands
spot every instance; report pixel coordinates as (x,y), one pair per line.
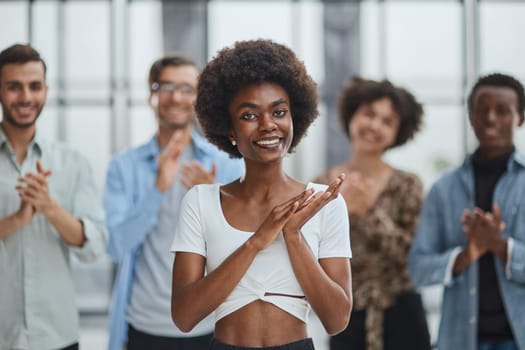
(290,216)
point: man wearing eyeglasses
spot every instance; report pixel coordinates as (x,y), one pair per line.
(144,188)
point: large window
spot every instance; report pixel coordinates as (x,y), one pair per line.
(418,45)
(501,46)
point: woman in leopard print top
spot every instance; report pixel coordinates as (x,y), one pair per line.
(383,206)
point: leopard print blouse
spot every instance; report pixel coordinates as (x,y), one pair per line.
(380,242)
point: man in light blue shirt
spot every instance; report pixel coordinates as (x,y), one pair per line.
(144,188)
(49,207)
(471,234)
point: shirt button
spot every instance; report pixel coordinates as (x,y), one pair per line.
(472,320)
(472,291)
(514,210)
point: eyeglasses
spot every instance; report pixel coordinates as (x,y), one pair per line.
(169,88)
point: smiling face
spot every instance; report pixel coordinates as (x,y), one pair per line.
(374,126)
(23,93)
(493,116)
(261,122)
(174,96)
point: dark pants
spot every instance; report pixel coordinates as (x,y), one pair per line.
(138,340)
(498,345)
(305,344)
(404,327)
(71,347)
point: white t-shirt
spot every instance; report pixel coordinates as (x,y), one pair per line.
(203,229)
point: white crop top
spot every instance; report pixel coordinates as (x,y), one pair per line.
(203,229)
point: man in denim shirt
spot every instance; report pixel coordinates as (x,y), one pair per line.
(144,188)
(471,234)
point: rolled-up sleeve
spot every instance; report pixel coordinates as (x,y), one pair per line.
(87,207)
(515,267)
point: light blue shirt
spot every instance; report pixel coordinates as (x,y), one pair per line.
(37,301)
(133,207)
(440,237)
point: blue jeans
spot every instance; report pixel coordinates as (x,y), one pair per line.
(498,345)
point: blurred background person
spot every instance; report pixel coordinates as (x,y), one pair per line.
(471,236)
(49,207)
(383,205)
(144,189)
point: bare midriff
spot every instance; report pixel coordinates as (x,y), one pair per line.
(260,324)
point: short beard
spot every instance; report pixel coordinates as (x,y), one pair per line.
(8,118)
(176,126)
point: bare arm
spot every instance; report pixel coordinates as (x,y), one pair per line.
(327,283)
(68,226)
(194,296)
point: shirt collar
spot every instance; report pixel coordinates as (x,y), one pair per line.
(519,158)
(151,149)
(515,159)
(3,138)
(36,142)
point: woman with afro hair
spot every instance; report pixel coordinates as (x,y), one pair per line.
(271,246)
(383,207)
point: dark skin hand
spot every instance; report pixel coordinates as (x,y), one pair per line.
(484,232)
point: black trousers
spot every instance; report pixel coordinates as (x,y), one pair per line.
(138,340)
(404,327)
(304,344)
(71,347)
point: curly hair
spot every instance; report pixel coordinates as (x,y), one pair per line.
(361,91)
(247,63)
(499,80)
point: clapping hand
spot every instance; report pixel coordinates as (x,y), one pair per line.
(34,192)
(291,215)
(482,229)
(168,161)
(193,173)
(357,192)
(25,212)
(278,217)
(310,207)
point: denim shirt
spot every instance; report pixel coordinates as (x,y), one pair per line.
(440,238)
(132,204)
